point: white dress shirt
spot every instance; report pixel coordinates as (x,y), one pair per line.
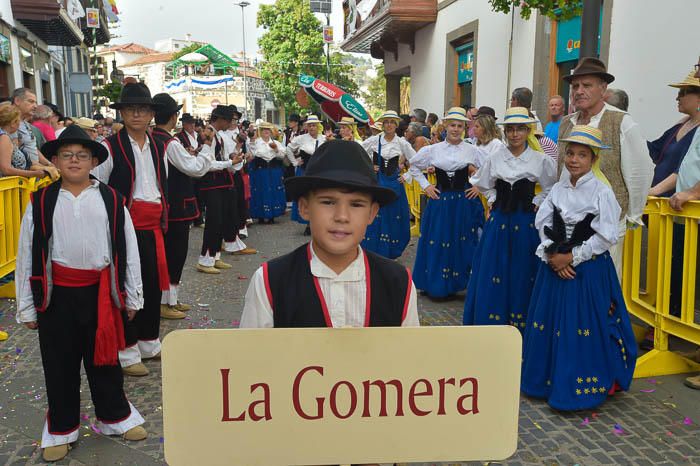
(263,150)
(209,152)
(228,137)
(502,164)
(191,165)
(486,150)
(344,293)
(445,156)
(574,203)
(304,143)
(80,240)
(635,163)
(396,147)
(145,180)
(192,137)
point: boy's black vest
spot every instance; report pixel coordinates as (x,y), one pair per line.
(295,300)
(184,140)
(219,179)
(123,168)
(43,206)
(182,203)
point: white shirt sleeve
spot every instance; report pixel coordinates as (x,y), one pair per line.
(26,312)
(485,181)
(605,226)
(543,219)
(190,165)
(637,168)
(407,149)
(420,162)
(280,151)
(104,170)
(292,150)
(370,145)
(214,165)
(132,282)
(411,319)
(546,179)
(257,312)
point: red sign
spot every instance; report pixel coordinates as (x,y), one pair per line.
(327,90)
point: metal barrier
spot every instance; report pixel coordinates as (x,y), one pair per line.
(646,284)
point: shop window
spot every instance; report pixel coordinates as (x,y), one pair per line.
(465,72)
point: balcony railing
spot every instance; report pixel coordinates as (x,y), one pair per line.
(48,20)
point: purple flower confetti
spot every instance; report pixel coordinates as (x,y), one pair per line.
(687,421)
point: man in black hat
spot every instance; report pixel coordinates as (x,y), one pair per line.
(182,204)
(626,164)
(188,136)
(332,281)
(136,169)
(78,266)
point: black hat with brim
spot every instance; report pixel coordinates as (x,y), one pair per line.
(135,94)
(340,164)
(234,111)
(167,105)
(74,134)
(187,118)
(223,111)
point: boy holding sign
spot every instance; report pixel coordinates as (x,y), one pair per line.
(332,281)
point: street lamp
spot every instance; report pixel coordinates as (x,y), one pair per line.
(244,4)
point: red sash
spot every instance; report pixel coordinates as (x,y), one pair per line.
(109,337)
(146,216)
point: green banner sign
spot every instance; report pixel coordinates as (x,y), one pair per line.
(305,80)
(354,108)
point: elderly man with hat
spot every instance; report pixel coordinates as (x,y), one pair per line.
(136,168)
(88,125)
(626,164)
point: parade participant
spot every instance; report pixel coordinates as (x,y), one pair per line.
(299,151)
(78,276)
(488,136)
(136,169)
(375,128)
(454,215)
(267,197)
(188,136)
(504,266)
(390,232)
(626,164)
(347,128)
(332,281)
(215,187)
(182,204)
(579,345)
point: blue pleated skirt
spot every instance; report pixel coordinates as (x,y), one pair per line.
(503,271)
(390,232)
(267,197)
(576,344)
(449,234)
(298,171)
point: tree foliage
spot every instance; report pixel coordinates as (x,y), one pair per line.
(189,49)
(555,9)
(292,45)
(111,90)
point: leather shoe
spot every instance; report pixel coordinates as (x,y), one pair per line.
(219,264)
(155,356)
(692,382)
(169,312)
(245,252)
(693,355)
(55,453)
(207,269)
(135,370)
(182,307)
(135,434)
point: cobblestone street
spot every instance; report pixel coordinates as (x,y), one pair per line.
(655,423)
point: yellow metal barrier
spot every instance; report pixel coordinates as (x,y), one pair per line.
(647,287)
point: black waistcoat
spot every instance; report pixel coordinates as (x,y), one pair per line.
(295,301)
(459,181)
(557,233)
(516,197)
(387,167)
(219,179)
(43,206)
(182,203)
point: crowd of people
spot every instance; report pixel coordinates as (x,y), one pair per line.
(528,218)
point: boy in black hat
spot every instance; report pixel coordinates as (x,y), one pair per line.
(78,266)
(332,281)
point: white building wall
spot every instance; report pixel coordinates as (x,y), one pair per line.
(644,62)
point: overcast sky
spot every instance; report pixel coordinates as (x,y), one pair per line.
(214,21)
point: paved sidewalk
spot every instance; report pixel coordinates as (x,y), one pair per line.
(657,418)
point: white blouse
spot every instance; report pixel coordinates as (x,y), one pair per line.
(589,196)
(502,164)
(304,143)
(263,150)
(390,149)
(486,150)
(445,156)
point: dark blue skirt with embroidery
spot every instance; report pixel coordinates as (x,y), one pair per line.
(390,232)
(449,234)
(579,339)
(267,197)
(503,271)
(299,171)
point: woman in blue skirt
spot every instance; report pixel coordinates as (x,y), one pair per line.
(454,216)
(579,345)
(504,266)
(299,151)
(390,232)
(267,198)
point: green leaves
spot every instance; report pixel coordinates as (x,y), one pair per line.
(555,9)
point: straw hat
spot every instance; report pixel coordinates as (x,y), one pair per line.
(350,121)
(456,113)
(389,115)
(689,81)
(517,116)
(378,125)
(265,125)
(312,120)
(85,123)
(586,135)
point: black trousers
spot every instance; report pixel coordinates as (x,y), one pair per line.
(146,324)
(201,205)
(67,337)
(213,228)
(243,213)
(176,242)
(231,220)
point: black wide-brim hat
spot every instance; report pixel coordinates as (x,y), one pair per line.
(187,118)
(167,105)
(340,164)
(223,111)
(135,94)
(74,134)
(234,111)
(590,66)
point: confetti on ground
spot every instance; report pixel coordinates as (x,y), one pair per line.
(585,422)
(652,381)
(618,430)
(18,350)
(648,390)
(672,405)
(162,440)
(594,415)
(537,425)
(95,429)
(84,416)
(669,433)
(687,421)
(242,277)
(235,323)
